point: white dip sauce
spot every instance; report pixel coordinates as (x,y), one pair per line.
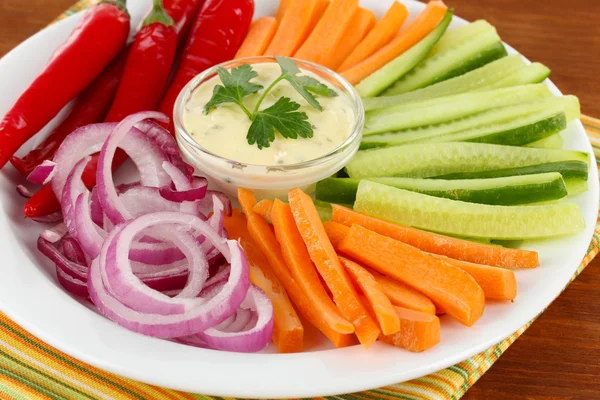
(223,131)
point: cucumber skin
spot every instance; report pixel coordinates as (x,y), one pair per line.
(434,159)
(574,173)
(551,142)
(492,53)
(468,219)
(567,104)
(519,136)
(489,50)
(383,78)
(468,82)
(344,191)
(446,109)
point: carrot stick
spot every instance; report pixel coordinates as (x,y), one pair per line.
(383,33)
(293,28)
(283,4)
(425,22)
(398,293)
(457,249)
(263,236)
(403,295)
(303,271)
(264,208)
(450,287)
(319,12)
(288,331)
(497,283)
(258,38)
(363,21)
(328,264)
(336,233)
(328,34)
(378,301)
(418,331)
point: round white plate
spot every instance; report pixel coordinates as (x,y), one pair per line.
(30,294)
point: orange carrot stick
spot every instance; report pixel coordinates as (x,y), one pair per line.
(497,283)
(283,4)
(418,331)
(328,264)
(293,28)
(336,233)
(258,38)
(263,236)
(288,331)
(303,271)
(398,293)
(403,295)
(263,208)
(450,287)
(383,33)
(329,33)
(361,24)
(319,12)
(457,249)
(425,22)
(378,301)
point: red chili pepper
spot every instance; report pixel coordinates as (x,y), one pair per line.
(183,13)
(148,66)
(145,77)
(91,106)
(100,35)
(218,32)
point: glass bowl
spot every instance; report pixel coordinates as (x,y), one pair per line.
(276,180)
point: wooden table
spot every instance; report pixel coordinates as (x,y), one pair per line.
(558,357)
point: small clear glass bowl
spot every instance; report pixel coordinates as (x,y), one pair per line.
(268,181)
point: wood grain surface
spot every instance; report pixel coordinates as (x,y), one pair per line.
(559,356)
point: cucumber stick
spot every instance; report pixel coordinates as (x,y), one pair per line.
(526,189)
(434,159)
(551,142)
(457,36)
(532,73)
(467,56)
(574,173)
(467,219)
(500,117)
(473,80)
(516,133)
(444,109)
(396,69)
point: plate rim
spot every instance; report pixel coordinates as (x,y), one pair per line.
(351,385)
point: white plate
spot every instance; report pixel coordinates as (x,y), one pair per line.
(30,294)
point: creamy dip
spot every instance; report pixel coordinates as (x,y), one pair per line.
(223,131)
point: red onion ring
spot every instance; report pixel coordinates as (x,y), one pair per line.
(43,173)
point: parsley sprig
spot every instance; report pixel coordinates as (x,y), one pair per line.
(283,116)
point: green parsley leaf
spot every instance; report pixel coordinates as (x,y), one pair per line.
(282,117)
(303,84)
(313,85)
(236,86)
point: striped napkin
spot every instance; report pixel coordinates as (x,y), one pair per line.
(31,369)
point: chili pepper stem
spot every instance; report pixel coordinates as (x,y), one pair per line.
(158,14)
(121,4)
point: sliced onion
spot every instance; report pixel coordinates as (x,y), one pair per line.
(167,143)
(72,285)
(184,191)
(24,191)
(197,314)
(43,173)
(236,337)
(73,251)
(146,155)
(54,234)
